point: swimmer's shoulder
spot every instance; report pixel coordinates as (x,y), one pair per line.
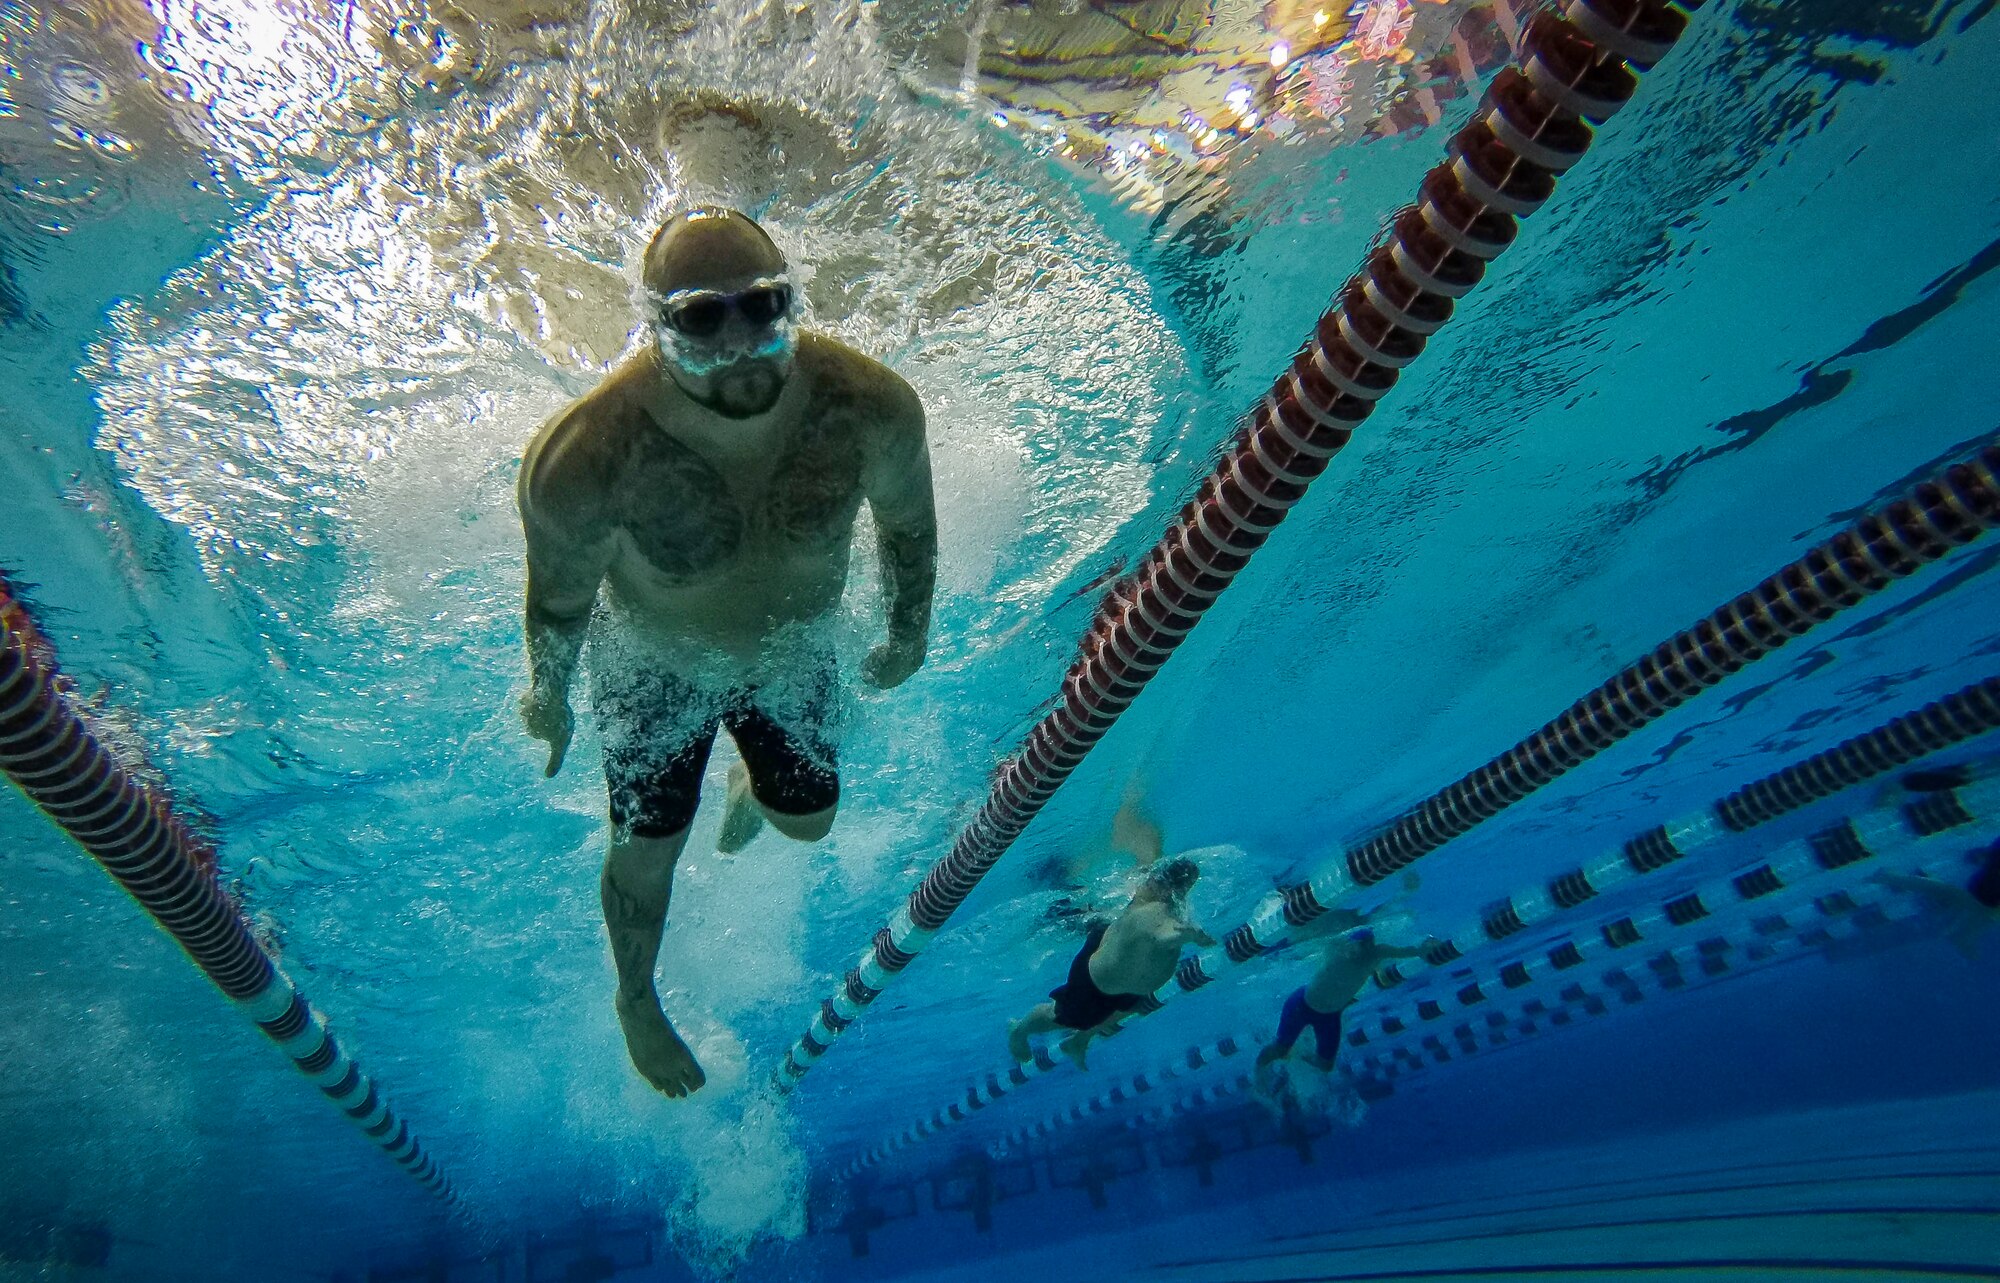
(883,395)
(572,460)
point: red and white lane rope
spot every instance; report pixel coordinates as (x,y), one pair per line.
(53,756)
(1948,511)
(1577,66)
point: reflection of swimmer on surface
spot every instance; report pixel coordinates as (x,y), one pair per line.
(1969,912)
(710,485)
(1122,964)
(1349,961)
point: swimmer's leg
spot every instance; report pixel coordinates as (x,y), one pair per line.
(637,885)
(742,818)
(810,827)
(1038,1021)
(1077,1045)
(788,777)
(1292,1021)
(652,807)
(1266,1072)
(1135,832)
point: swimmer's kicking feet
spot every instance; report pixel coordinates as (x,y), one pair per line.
(1119,966)
(709,487)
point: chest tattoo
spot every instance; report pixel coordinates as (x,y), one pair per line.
(815,488)
(677,510)
(684,516)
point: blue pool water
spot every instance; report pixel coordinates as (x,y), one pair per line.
(287,286)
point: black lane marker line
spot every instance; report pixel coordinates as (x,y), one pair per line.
(1924,1210)
(1678,1193)
(1694,1192)
(1622,1269)
(1698,1171)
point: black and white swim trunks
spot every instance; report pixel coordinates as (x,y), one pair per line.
(659,728)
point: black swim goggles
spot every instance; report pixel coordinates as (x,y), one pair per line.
(701,314)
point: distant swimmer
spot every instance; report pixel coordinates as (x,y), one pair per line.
(1346,965)
(1969,912)
(1122,964)
(710,487)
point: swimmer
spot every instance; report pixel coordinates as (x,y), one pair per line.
(1348,963)
(1119,966)
(1969,912)
(709,486)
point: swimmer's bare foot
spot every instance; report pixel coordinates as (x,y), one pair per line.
(658,1053)
(1018,1045)
(1076,1047)
(742,818)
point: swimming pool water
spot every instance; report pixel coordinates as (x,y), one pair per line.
(287,287)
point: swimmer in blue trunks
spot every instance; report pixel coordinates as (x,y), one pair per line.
(1968,913)
(707,490)
(1119,966)
(1350,960)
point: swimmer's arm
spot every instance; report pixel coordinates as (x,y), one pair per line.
(1405,950)
(1175,932)
(566,565)
(1941,893)
(898,487)
(558,614)
(1336,921)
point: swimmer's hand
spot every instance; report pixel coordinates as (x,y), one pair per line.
(548,720)
(890,664)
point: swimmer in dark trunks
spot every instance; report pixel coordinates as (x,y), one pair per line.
(709,487)
(1119,967)
(1345,968)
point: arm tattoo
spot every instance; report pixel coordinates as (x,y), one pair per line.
(900,493)
(909,572)
(553,647)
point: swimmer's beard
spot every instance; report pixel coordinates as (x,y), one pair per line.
(745,391)
(738,384)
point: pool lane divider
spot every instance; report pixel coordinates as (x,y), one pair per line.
(1808,925)
(1948,511)
(1789,886)
(977,1098)
(131,830)
(1963,715)
(1882,836)
(1953,719)
(1577,67)
(1678,969)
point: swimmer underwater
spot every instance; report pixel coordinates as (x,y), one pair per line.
(709,488)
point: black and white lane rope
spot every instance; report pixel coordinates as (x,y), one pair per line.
(52,755)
